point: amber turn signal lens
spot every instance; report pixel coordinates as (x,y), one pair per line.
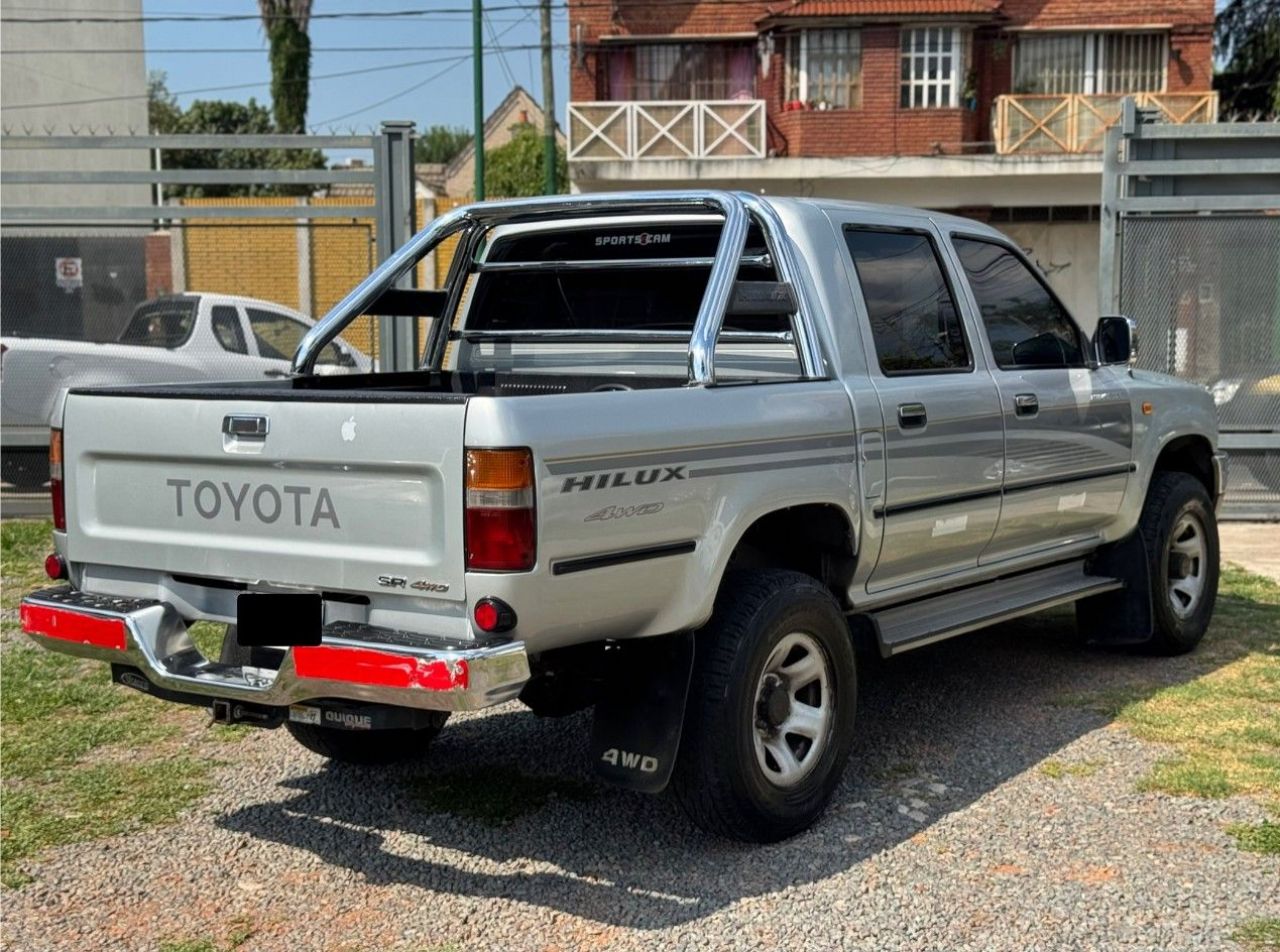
(499,469)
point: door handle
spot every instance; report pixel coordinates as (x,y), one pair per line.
(275,373)
(1026,404)
(912,415)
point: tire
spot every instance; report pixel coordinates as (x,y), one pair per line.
(728,776)
(1180,532)
(367,747)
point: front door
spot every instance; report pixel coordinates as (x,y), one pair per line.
(943,440)
(1068,428)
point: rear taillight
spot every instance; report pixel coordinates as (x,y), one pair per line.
(57,493)
(500,522)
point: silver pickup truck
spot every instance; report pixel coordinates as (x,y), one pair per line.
(676,457)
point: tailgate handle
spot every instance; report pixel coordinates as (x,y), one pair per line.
(246,426)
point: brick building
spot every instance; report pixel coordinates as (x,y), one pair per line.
(995,108)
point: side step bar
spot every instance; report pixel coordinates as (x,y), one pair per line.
(928,620)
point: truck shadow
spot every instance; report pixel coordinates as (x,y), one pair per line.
(938,728)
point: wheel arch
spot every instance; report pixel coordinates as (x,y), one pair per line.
(818,539)
(1191,453)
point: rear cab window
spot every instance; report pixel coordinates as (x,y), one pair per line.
(1026,326)
(915,325)
(225,321)
(587,299)
(166,323)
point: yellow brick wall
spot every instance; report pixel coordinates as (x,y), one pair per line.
(259,257)
(251,256)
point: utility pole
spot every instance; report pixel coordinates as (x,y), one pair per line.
(549,185)
(477,82)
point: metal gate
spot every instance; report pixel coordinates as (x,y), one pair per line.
(1191,252)
(94,255)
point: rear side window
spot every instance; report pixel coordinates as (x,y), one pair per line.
(165,323)
(914,320)
(1027,327)
(278,336)
(226,328)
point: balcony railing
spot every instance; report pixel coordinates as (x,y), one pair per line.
(677,129)
(1078,122)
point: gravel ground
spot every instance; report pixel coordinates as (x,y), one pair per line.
(944,835)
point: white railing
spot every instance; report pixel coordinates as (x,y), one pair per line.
(676,129)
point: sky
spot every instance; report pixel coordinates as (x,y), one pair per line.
(443,93)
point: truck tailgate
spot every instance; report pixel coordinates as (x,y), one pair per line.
(340,492)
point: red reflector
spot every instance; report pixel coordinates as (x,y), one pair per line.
(486,615)
(500,540)
(73,626)
(381,668)
(54,567)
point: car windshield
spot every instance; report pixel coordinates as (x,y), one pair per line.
(167,323)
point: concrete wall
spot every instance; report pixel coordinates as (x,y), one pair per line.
(44,93)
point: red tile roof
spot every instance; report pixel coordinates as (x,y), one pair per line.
(880,8)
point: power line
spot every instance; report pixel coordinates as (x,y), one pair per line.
(416,86)
(379,15)
(218,89)
(315,49)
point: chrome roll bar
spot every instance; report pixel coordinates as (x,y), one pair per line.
(724,268)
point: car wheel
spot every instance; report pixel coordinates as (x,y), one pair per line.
(386,746)
(769,721)
(1181,535)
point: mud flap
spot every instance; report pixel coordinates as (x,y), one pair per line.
(1122,617)
(636,732)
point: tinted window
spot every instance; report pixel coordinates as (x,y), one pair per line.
(226,328)
(164,323)
(913,315)
(1026,326)
(604,298)
(278,336)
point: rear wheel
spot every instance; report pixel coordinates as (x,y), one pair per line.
(769,721)
(1181,535)
(368,747)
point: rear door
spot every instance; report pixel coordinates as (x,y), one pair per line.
(1068,429)
(942,429)
(336,493)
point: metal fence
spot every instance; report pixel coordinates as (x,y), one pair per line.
(105,282)
(1191,252)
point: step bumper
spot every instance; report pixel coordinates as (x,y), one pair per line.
(353,662)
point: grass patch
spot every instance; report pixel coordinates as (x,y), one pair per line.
(1224,724)
(1057,769)
(239,931)
(1262,837)
(494,796)
(82,758)
(1258,935)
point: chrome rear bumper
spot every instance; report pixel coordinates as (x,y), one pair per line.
(353,662)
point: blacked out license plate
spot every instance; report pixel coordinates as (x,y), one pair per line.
(268,618)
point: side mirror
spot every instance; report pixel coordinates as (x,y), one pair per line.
(1115,341)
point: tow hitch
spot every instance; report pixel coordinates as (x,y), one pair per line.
(235,712)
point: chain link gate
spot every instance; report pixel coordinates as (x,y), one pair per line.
(1191,253)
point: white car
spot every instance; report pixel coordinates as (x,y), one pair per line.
(181,338)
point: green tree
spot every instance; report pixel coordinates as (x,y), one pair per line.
(1247,37)
(219,117)
(440,143)
(285,23)
(515,170)
(163,111)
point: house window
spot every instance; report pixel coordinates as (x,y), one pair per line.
(932,67)
(1091,63)
(824,68)
(679,71)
